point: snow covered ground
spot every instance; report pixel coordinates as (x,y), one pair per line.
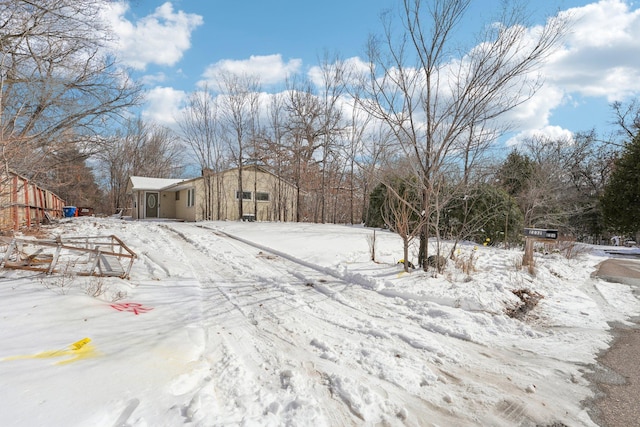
(266,324)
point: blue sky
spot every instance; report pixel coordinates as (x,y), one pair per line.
(174,46)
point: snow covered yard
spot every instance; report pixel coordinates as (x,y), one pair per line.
(270,324)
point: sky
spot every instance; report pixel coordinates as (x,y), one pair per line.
(233,323)
(174,47)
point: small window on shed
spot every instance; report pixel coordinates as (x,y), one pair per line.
(246,195)
(262,197)
(191,197)
(177,195)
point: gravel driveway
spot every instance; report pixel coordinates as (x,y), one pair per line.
(618,377)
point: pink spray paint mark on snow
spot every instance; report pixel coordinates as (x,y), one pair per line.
(132,307)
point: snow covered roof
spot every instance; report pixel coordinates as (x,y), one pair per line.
(146,183)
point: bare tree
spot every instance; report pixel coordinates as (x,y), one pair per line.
(627,117)
(141,149)
(200,129)
(333,75)
(71,178)
(356,130)
(305,128)
(401,211)
(566,179)
(274,149)
(431,103)
(58,85)
(239,109)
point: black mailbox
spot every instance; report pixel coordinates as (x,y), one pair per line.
(541,233)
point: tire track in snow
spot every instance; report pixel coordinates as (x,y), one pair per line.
(343,342)
(413,339)
(248,363)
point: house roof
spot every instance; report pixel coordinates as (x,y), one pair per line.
(145,183)
(141,183)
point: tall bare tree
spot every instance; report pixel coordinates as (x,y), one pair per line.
(304,128)
(333,73)
(58,85)
(71,178)
(431,103)
(140,149)
(627,117)
(274,151)
(565,180)
(200,129)
(239,108)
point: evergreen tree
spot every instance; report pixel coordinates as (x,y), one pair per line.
(487,212)
(376,202)
(515,173)
(383,200)
(620,202)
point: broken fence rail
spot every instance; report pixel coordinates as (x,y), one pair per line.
(84,256)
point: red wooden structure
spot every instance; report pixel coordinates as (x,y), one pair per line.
(24,204)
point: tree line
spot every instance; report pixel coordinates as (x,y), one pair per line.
(407,139)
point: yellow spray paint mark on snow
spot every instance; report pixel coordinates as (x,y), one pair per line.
(78,350)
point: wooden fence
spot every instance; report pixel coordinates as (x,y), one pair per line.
(24,204)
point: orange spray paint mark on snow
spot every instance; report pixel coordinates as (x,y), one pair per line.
(77,351)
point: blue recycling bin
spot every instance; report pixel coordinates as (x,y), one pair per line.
(69,211)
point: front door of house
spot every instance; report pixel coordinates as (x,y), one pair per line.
(151,205)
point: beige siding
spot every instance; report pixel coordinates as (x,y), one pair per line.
(280,205)
(190,213)
(214,198)
(167,204)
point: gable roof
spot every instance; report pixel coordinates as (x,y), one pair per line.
(145,183)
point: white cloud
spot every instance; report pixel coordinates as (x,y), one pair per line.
(355,65)
(554,133)
(153,79)
(598,57)
(163,105)
(535,113)
(160,38)
(270,69)
(602,24)
(595,62)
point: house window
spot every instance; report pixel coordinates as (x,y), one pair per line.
(246,195)
(191,197)
(177,195)
(262,197)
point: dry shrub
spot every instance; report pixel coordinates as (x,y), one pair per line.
(570,249)
(62,282)
(437,261)
(371,241)
(96,287)
(528,301)
(466,263)
(119,295)
(103,288)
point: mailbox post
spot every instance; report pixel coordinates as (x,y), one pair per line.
(536,235)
